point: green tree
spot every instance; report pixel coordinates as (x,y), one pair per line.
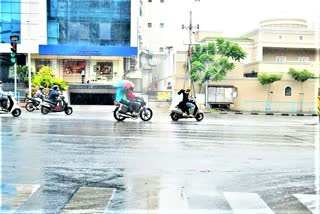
(46,78)
(268,79)
(301,76)
(22,73)
(212,61)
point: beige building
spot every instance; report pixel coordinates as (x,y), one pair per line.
(274,47)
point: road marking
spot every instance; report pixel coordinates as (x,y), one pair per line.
(310,201)
(172,199)
(89,200)
(246,203)
(13,196)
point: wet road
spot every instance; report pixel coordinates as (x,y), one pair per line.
(227,163)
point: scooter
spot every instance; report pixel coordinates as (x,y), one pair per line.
(33,103)
(176,114)
(122,111)
(13,108)
(50,106)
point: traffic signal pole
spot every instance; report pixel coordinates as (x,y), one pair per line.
(13,59)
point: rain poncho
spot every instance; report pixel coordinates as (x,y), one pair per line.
(120,95)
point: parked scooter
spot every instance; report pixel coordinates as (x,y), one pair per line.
(13,107)
(122,112)
(50,106)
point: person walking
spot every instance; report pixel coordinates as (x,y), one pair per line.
(83,75)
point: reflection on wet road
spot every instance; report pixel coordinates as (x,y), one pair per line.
(225,164)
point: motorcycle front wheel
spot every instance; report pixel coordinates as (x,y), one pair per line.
(16,112)
(199,116)
(29,107)
(68,111)
(117,116)
(146,114)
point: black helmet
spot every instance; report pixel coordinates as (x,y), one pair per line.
(55,87)
(41,87)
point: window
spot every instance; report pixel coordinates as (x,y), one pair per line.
(161,49)
(39,63)
(281,59)
(300,37)
(287,91)
(303,59)
(149,25)
(251,74)
(161,25)
(10,20)
(73,66)
(102,23)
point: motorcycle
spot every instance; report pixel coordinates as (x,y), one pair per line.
(33,103)
(122,111)
(50,106)
(13,108)
(176,113)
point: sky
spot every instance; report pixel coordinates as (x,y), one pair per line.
(237,17)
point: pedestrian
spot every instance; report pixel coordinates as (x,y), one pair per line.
(83,74)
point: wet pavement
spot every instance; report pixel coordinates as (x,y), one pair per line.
(89,163)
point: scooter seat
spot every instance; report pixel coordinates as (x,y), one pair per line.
(49,101)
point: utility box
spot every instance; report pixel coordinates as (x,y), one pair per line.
(221,94)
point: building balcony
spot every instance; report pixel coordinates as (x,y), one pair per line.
(282,67)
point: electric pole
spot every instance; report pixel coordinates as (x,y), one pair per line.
(189,27)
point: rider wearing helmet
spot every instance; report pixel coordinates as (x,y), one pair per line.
(40,93)
(54,95)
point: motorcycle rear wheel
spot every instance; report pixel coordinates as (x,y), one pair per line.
(45,110)
(117,116)
(175,116)
(29,107)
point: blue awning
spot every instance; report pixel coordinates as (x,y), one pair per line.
(68,50)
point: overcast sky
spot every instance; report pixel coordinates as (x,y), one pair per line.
(236,17)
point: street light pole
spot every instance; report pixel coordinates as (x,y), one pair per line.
(171,71)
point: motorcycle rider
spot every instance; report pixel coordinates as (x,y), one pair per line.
(3,97)
(135,105)
(186,105)
(54,95)
(40,93)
